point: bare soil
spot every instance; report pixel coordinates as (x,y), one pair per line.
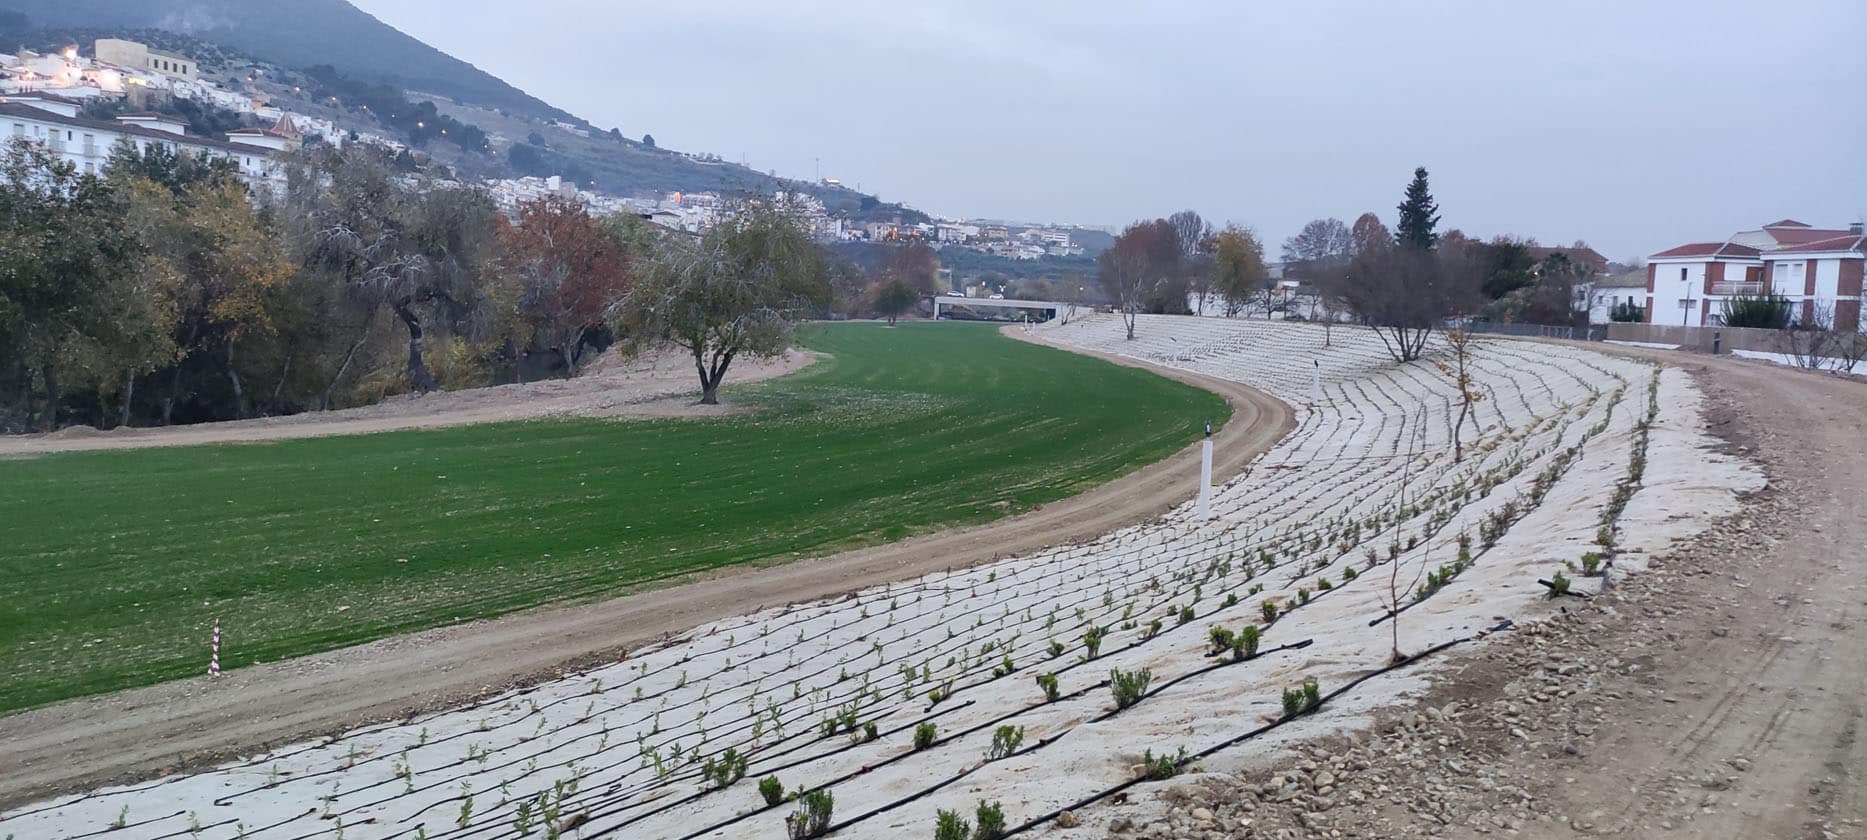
(167,728)
(651,385)
(1720,694)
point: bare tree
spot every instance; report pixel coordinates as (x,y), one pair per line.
(1459,371)
(1194,236)
(1404,293)
(1143,260)
(1811,342)
(1321,246)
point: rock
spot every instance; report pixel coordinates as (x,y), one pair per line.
(1202,815)
(1068,819)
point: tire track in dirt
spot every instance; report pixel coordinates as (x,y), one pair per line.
(167,728)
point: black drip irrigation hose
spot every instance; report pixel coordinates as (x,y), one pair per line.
(1232,742)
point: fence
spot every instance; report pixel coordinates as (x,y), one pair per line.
(1539,331)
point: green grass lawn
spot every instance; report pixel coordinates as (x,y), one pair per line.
(115,564)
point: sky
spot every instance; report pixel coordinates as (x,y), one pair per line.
(1635,126)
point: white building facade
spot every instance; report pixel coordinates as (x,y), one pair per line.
(1818,270)
(87,144)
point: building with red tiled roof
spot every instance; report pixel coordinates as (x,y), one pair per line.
(1818,269)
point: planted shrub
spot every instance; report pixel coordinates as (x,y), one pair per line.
(1302,699)
(1163,766)
(1349,573)
(1246,646)
(869,733)
(771,790)
(924,734)
(730,768)
(1221,639)
(1092,640)
(1302,595)
(989,819)
(949,826)
(1591,564)
(1153,629)
(1231,599)
(1005,741)
(1056,649)
(812,818)
(1269,608)
(1558,585)
(1048,682)
(1186,614)
(1129,686)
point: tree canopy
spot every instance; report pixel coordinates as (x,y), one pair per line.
(737,290)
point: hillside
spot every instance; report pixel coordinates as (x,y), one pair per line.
(333,49)
(300,34)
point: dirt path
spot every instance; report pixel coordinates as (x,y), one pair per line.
(1748,722)
(1720,694)
(652,385)
(161,729)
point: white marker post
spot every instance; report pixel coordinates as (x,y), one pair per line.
(213,662)
(1205,474)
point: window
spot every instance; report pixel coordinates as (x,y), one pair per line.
(90,168)
(1682,274)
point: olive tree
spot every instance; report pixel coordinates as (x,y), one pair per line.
(736,290)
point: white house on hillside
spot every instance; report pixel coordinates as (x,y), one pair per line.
(87,144)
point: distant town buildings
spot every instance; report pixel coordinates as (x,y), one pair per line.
(1818,269)
(135,56)
(87,144)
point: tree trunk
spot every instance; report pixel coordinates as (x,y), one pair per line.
(272,405)
(418,375)
(239,388)
(129,393)
(709,389)
(51,397)
(324,402)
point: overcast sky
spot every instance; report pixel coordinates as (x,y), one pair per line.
(1635,126)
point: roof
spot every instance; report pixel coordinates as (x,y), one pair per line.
(1785,223)
(1709,250)
(1792,237)
(1834,244)
(42,96)
(1628,280)
(19,110)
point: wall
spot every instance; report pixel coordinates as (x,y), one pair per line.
(1697,338)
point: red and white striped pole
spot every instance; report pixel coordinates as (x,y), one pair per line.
(213,662)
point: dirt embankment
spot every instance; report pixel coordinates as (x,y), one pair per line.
(1721,694)
(187,723)
(651,385)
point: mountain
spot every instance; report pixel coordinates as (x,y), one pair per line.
(300,33)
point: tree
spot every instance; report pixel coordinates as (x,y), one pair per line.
(1143,259)
(894,298)
(649,140)
(226,264)
(63,251)
(415,250)
(172,168)
(739,289)
(1460,372)
(571,274)
(1812,342)
(1369,236)
(1404,293)
(1237,266)
(1508,266)
(1194,237)
(1322,247)
(1419,215)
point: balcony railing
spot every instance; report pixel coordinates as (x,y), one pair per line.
(1737,288)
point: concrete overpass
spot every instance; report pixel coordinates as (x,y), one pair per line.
(1045,309)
